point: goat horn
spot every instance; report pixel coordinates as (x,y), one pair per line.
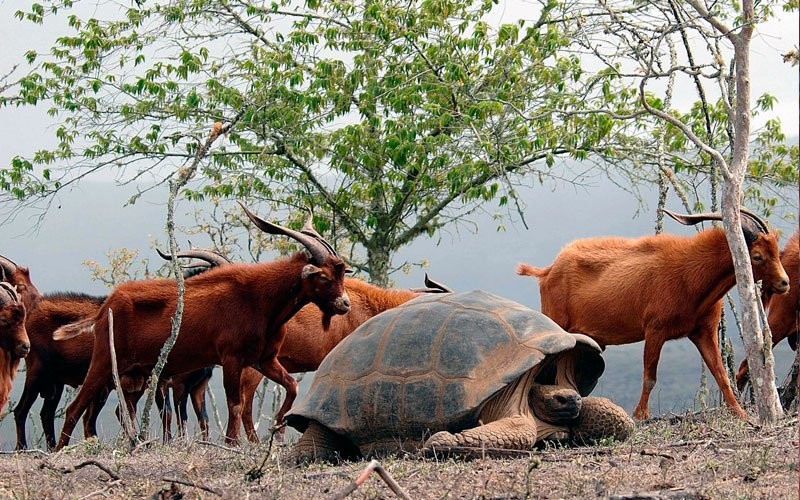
(308,228)
(10,290)
(433,284)
(315,246)
(209,256)
(762,225)
(7,266)
(692,219)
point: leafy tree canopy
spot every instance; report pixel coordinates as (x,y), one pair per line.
(392,119)
(396,118)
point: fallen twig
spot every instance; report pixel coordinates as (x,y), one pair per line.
(215,445)
(143,444)
(257,472)
(193,484)
(67,470)
(655,453)
(695,442)
(672,493)
(376,466)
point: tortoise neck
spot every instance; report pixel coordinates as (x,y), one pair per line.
(511,400)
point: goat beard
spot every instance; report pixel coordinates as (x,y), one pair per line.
(326,321)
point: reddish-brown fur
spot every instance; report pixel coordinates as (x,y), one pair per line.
(653,288)
(784,310)
(53,363)
(306,344)
(14,343)
(232,317)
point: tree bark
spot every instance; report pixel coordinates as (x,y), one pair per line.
(183,175)
(378,260)
(757,348)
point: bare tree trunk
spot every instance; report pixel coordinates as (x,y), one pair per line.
(124,414)
(182,176)
(758,349)
(797,322)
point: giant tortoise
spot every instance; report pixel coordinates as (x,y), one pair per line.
(462,370)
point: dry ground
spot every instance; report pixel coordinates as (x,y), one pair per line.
(707,455)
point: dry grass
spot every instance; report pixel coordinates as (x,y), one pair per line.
(707,455)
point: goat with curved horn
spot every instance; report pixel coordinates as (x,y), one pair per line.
(14,342)
(233,317)
(655,289)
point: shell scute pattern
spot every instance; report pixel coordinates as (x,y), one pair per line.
(464,348)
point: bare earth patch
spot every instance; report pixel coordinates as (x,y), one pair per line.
(708,455)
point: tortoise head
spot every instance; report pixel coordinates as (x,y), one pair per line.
(563,378)
(554,404)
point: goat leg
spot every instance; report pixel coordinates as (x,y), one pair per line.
(273,370)
(231,380)
(251,378)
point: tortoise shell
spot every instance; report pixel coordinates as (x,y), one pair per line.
(430,364)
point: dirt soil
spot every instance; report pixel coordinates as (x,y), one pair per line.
(707,455)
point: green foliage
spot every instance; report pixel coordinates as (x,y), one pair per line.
(394,119)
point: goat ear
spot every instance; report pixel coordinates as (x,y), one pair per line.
(310,270)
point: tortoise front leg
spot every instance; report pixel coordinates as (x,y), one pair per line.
(320,444)
(517,433)
(601,419)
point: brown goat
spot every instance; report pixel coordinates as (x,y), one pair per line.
(655,288)
(14,343)
(306,344)
(192,384)
(51,364)
(784,310)
(232,317)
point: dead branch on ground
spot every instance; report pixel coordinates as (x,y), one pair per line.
(68,470)
(193,484)
(376,466)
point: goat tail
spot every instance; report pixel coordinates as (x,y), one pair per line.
(84,326)
(529,270)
